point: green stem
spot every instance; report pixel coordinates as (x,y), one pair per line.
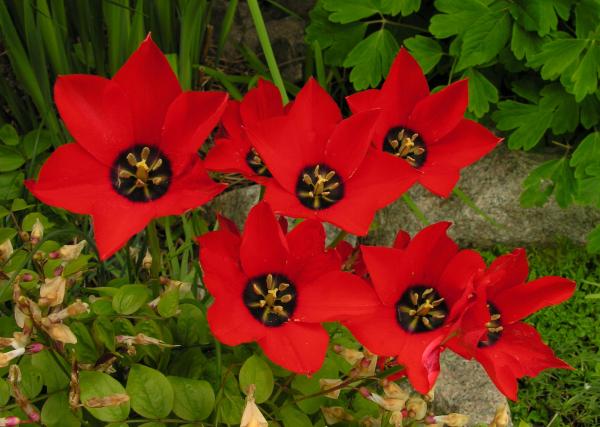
(154,247)
(263,37)
(470,203)
(340,236)
(415,209)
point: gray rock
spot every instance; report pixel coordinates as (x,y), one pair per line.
(463,387)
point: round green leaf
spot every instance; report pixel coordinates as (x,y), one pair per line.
(151,393)
(9,135)
(130,298)
(54,376)
(4,392)
(99,384)
(57,413)
(292,417)
(256,371)
(192,327)
(10,159)
(194,399)
(32,380)
(169,303)
(36,142)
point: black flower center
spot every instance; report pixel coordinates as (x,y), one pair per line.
(270,298)
(421,309)
(494,328)
(255,163)
(406,144)
(141,173)
(319,187)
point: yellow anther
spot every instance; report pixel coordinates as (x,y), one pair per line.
(286,298)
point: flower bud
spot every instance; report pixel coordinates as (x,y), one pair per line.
(6,250)
(141,339)
(12,421)
(391,389)
(147,260)
(252,417)
(59,332)
(74,309)
(52,292)
(501,418)
(351,356)
(106,401)
(37,232)
(387,403)
(27,277)
(417,408)
(36,347)
(24,236)
(453,420)
(71,252)
(327,384)
(335,414)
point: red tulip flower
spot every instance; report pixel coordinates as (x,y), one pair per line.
(135,152)
(276,289)
(234,152)
(507,348)
(426,131)
(323,166)
(423,290)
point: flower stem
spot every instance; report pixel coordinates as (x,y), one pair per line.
(263,37)
(470,203)
(340,236)
(154,247)
(415,209)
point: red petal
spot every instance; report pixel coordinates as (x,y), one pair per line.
(232,119)
(286,203)
(229,156)
(298,347)
(402,240)
(260,103)
(116,220)
(232,324)
(150,84)
(189,121)
(97,114)
(72,179)
(190,190)
(379,332)
(333,297)
(505,272)
(438,178)
(264,248)
(390,273)
(465,144)
(520,301)
(435,116)
(228,225)
(219,259)
(429,252)
(364,100)
(458,274)
(350,141)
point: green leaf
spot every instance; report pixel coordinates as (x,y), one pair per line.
(556,56)
(130,298)
(456,17)
(565,109)
(484,39)
(394,7)
(256,371)
(586,155)
(231,405)
(194,399)
(99,384)
(346,11)
(4,392)
(427,51)
(31,218)
(85,348)
(535,15)
(371,59)
(104,332)
(192,327)
(590,111)
(9,135)
(593,240)
(336,40)
(53,374)
(10,185)
(587,18)
(31,377)
(56,412)
(36,142)
(482,92)
(554,176)
(169,303)
(585,77)
(150,392)
(524,44)
(530,121)
(10,159)
(7,234)
(292,417)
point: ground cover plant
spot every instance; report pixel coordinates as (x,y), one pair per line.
(127,301)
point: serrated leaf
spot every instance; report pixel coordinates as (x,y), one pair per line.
(530,121)
(482,92)
(256,371)
(590,111)
(346,11)
(556,56)
(566,111)
(336,40)
(425,50)
(554,176)
(456,17)
(586,154)
(536,15)
(371,59)
(585,77)
(524,44)
(394,7)
(593,240)
(484,39)
(150,392)
(587,17)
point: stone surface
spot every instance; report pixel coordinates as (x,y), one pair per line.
(464,387)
